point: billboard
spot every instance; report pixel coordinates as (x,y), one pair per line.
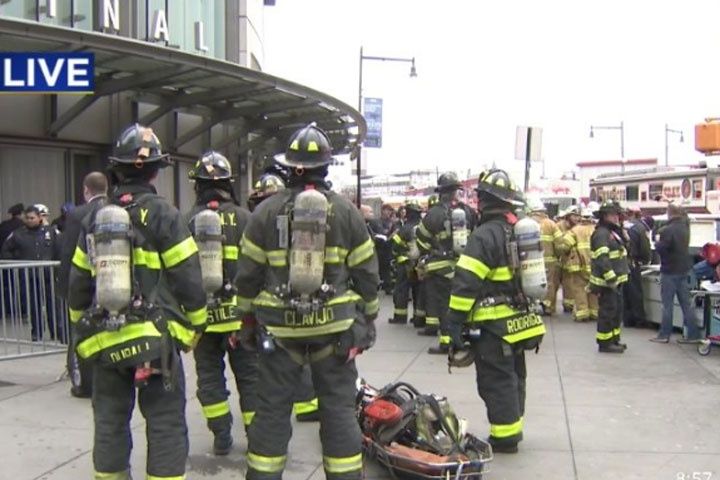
(47,72)
(372,110)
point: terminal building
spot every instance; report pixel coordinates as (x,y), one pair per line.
(190,69)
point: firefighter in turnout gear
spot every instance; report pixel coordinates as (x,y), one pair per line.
(550,236)
(575,246)
(435,239)
(213,179)
(310,266)
(609,271)
(406,253)
(135,299)
(570,218)
(305,404)
(487,293)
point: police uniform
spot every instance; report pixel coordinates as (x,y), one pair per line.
(325,337)
(609,271)
(212,175)
(485,292)
(166,275)
(406,282)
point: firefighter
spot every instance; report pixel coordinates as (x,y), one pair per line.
(406,253)
(486,290)
(575,245)
(305,404)
(212,176)
(569,219)
(609,271)
(314,281)
(436,243)
(134,310)
(550,236)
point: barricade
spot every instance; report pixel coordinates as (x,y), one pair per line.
(33,319)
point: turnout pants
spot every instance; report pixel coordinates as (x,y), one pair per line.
(406,285)
(305,401)
(164,411)
(568,301)
(634,303)
(437,297)
(501,376)
(419,308)
(586,305)
(552,272)
(610,315)
(212,390)
(269,433)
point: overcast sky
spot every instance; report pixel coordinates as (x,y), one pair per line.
(485,67)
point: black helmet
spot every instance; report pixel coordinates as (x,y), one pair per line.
(138,145)
(413,205)
(211,166)
(608,206)
(497,183)
(309,147)
(432,200)
(448,181)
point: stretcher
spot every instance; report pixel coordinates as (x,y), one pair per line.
(418,436)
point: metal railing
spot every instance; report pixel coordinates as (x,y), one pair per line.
(33,319)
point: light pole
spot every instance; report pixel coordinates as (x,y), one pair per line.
(667,131)
(413,74)
(620,127)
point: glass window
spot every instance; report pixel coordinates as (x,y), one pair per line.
(697,189)
(63,13)
(655,190)
(217,15)
(153,7)
(83,14)
(26,9)
(631,192)
(176,23)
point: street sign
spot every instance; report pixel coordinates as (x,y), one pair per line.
(372,111)
(521,143)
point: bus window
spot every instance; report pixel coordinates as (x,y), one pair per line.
(643,196)
(631,192)
(697,189)
(655,190)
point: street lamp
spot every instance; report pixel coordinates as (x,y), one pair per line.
(413,74)
(620,127)
(667,131)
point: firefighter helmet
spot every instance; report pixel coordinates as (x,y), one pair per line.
(572,210)
(413,205)
(308,147)
(138,145)
(497,183)
(269,184)
(609,207)
(211,166)
(448,181)
(535,204)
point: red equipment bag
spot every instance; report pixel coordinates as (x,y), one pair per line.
(382,412)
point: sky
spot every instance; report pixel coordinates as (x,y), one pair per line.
(485,67)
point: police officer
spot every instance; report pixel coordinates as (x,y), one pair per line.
(138,349)
(609,271)
(213,179)
(305,403)
(550,236)
(435,241)
(487,291)
(320,326)
(406,253)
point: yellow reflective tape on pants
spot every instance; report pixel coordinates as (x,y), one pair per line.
(179,253)
(343,464)
(473,265)
(495,312)
(181,333)
(462,304)
(249,249)
(146,259)
(231,252)
(101,341)
(444,340)
(75,315)
(82,261)
(372,307)
(216,409)
(525,334)
(277,258)
(124,475)
(302,332)
(248,418)
(400,311)
(616,332)
(264,464)
(306,407)
(500,274)
(432,321)
(155,477)
(197,317)
(361,253)
(604,336)
(506,430)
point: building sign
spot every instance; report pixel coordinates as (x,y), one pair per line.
(43,72)
(372,111)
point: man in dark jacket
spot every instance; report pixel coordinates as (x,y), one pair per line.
(675,265)
(13,223)
(639,254)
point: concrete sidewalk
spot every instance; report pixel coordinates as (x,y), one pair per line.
(642,415)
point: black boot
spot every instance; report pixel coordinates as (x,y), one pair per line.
(397,321)
(621,345)
(222,443)
(428,332)
(503,447)
(439,350)
(611,348)
(308,417)
(418,322)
